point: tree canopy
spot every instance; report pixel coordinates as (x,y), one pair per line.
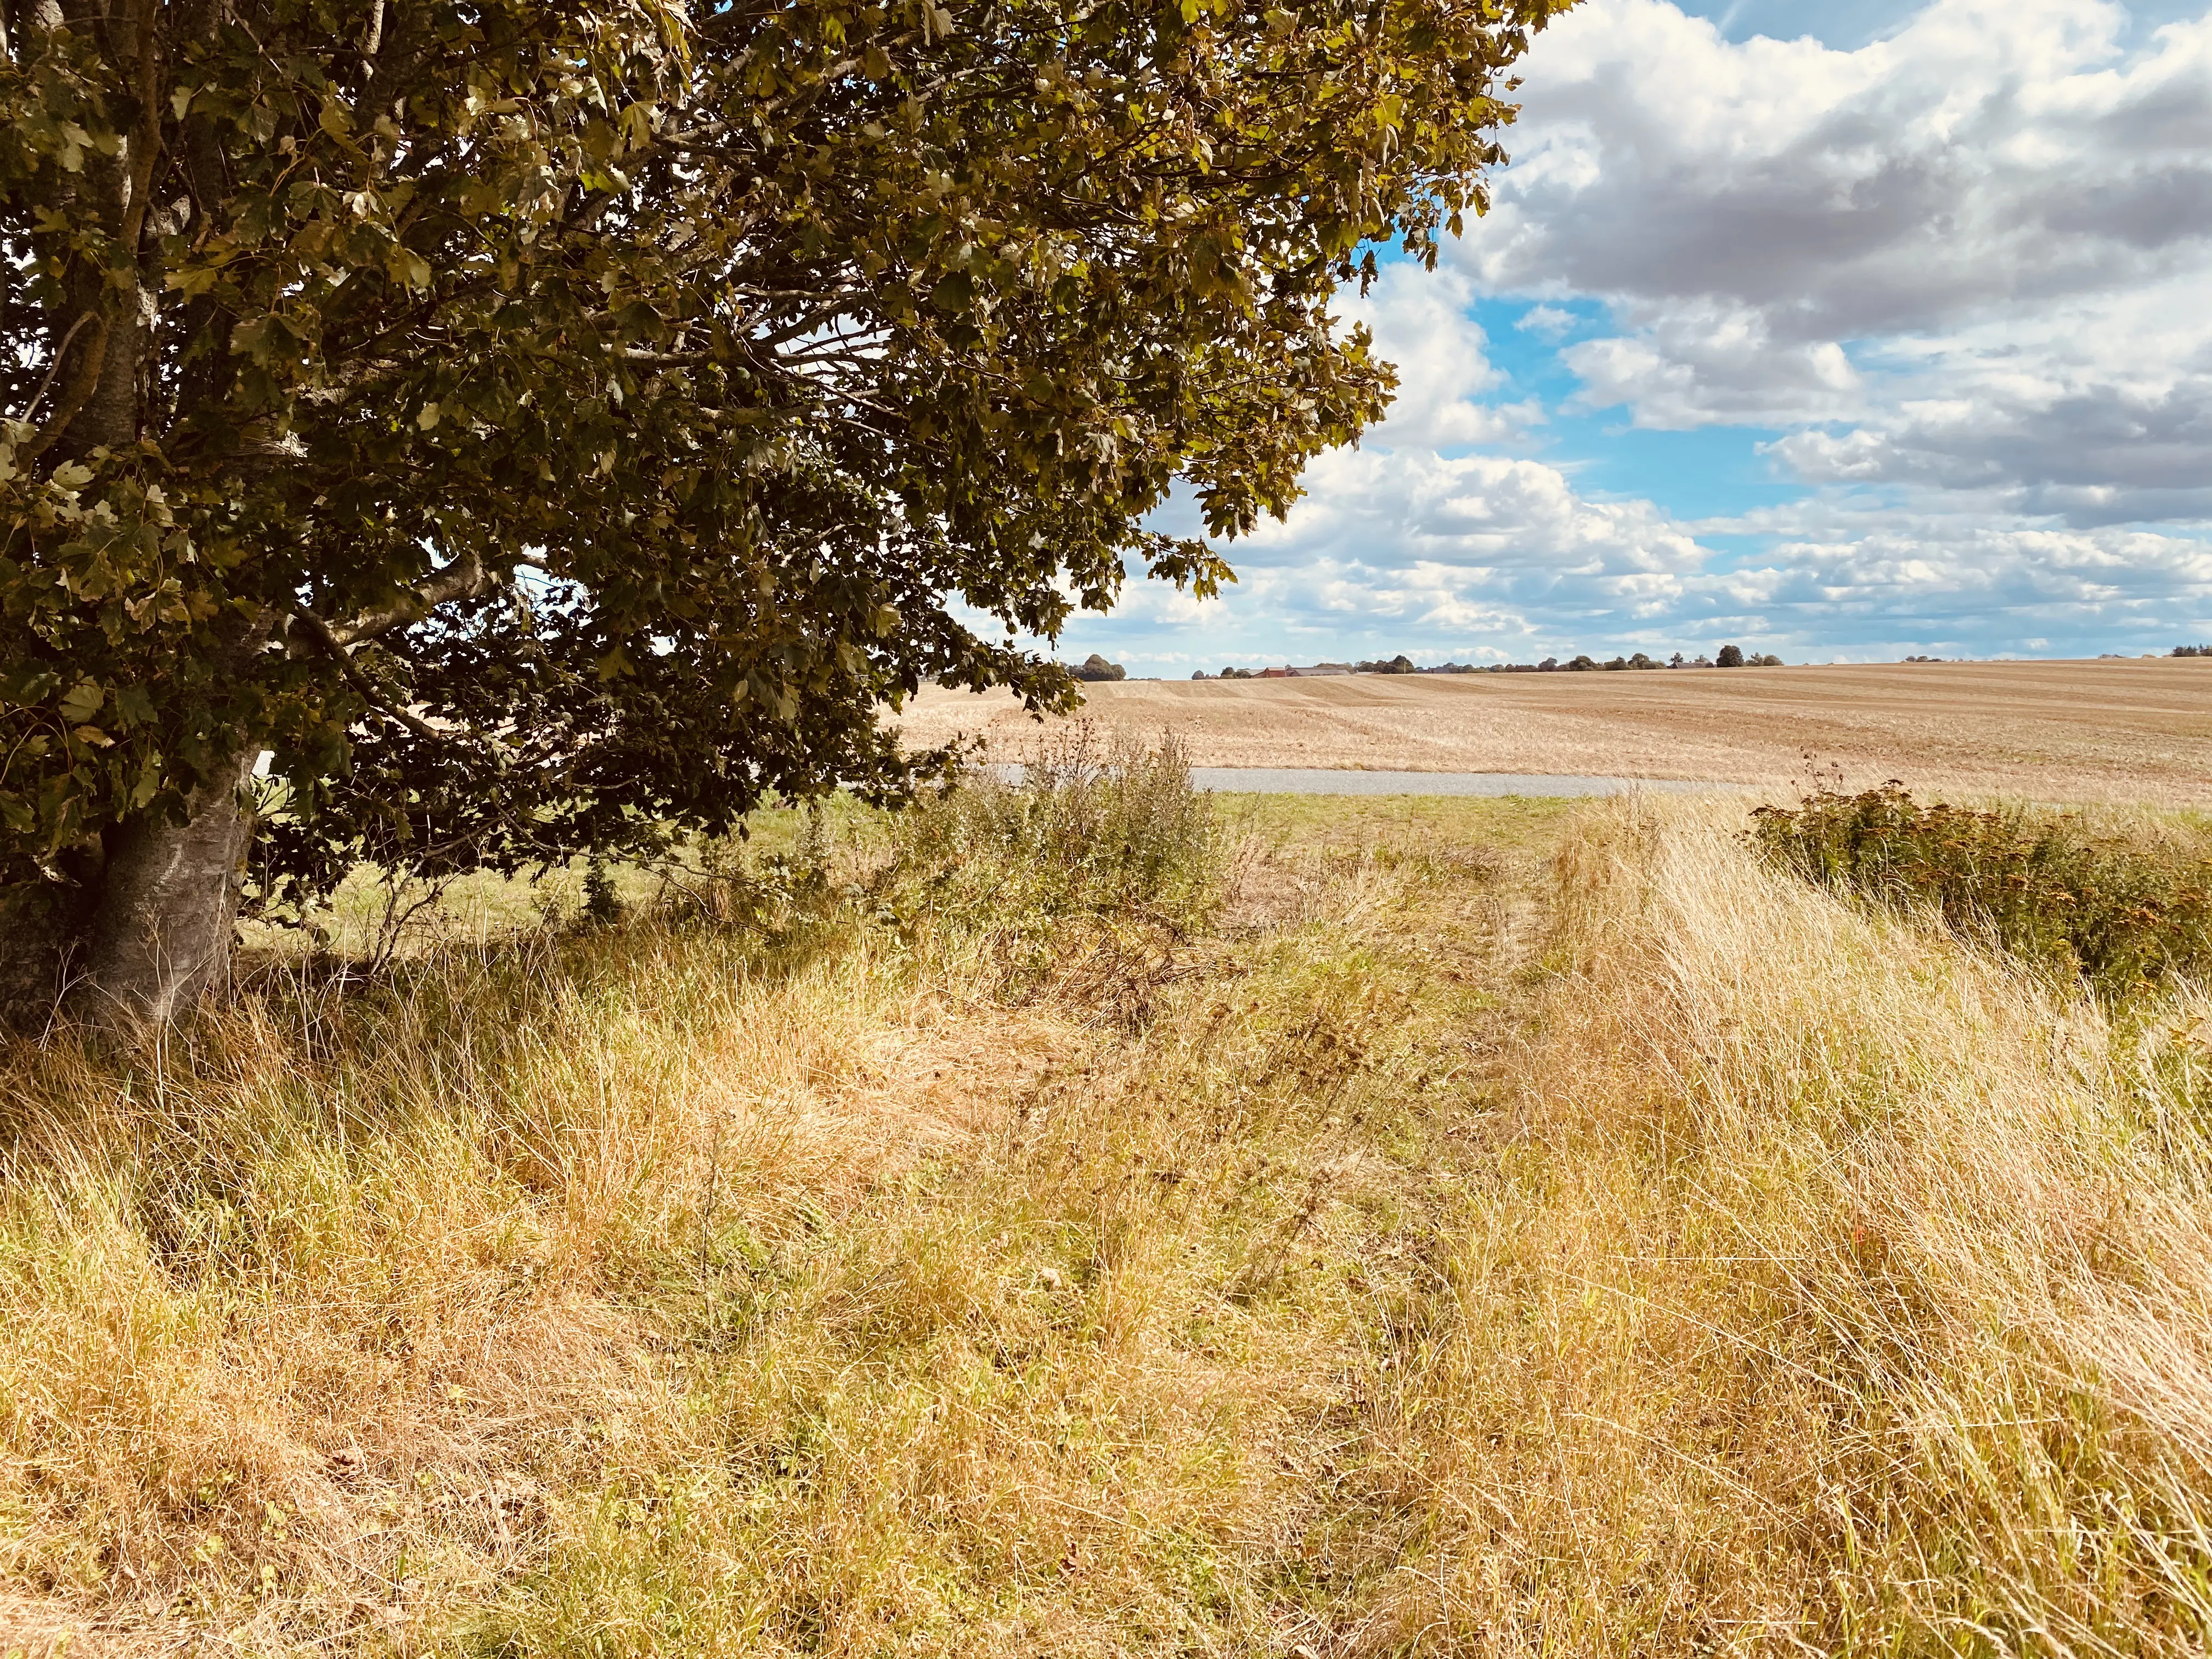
(546,426)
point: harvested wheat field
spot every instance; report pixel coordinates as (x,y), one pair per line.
(2137,731)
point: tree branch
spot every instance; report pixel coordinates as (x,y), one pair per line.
(466,578)
(61,355)
(327,637)
(146,134)
(80,386)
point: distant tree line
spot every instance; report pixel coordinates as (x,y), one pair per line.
(1729,656)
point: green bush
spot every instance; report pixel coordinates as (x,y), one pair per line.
(2120,913)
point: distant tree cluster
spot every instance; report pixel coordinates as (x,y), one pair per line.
(1095,667)
(1729,656)
(2192,651)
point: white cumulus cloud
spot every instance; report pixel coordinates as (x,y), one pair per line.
(1975,254)
(1952,284)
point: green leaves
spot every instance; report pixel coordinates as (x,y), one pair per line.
(408,268)
(82,702)
(647,396)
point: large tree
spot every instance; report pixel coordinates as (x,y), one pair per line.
(544,425)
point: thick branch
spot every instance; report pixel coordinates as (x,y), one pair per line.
(80,386)
(146,134)
(466,578)
(61,355)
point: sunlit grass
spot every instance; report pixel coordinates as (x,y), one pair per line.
(1385,1228)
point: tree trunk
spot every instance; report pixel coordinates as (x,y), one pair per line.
(161,938)
(138,923)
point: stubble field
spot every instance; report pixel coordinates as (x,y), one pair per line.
(2136,731)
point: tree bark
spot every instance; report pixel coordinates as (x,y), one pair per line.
(161,938)
(139,925)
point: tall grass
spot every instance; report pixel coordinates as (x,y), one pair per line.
(1092,824)
(1855,1284)
(330,1318)
(1078,877)
(1645,1251)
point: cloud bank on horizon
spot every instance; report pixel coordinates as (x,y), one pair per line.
(1848,349)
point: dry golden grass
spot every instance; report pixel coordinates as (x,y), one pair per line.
(1856,1287)
(2113,731)
(309,1341)
(1511,1231)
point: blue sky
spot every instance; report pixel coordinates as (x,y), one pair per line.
(1851,23)
(1848,330)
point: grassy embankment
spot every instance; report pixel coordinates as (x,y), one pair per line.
(1076,1224)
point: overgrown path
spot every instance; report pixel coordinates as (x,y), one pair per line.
(1504,1228)
(1150,1364)
(841,1310)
